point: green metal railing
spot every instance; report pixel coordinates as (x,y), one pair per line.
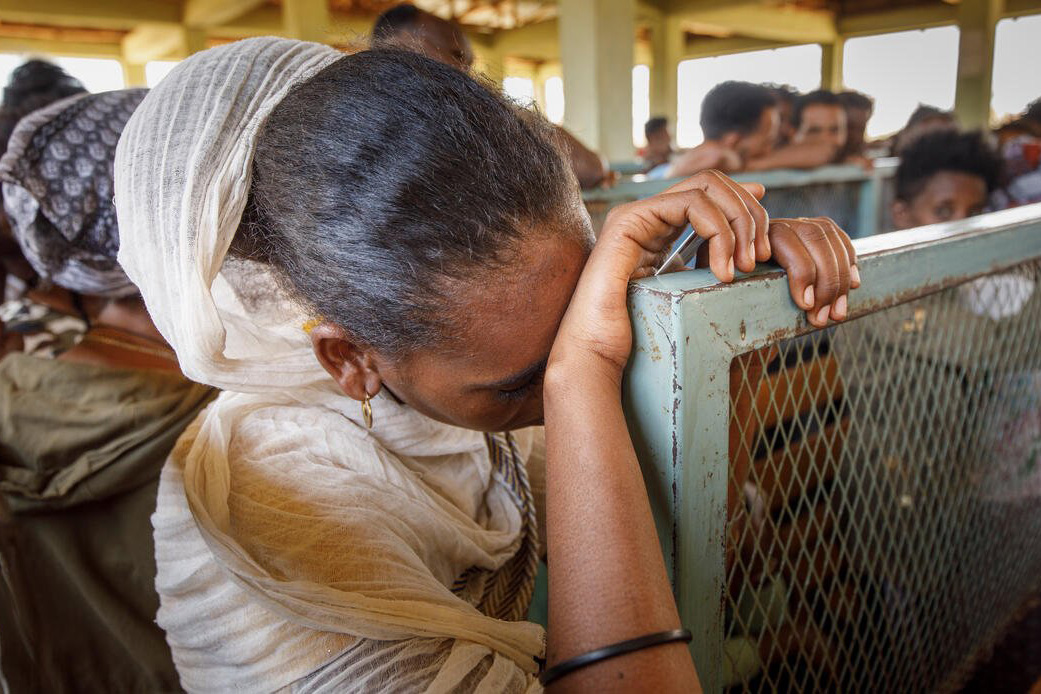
(856,508)
(858,200)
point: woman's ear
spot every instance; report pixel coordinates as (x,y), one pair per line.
(351,363)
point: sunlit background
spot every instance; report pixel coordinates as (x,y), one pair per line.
(899,70)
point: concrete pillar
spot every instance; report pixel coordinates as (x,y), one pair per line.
(831,65)
(675,40)
(596,52)
(194,40)
(134,74)
(307,20)
(976,22)
(659,98)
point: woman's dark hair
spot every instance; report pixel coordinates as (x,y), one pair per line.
(388,180)
(946,150)
(33,85)
(818,97)
(734,107)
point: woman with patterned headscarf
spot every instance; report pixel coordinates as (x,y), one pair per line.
(84,435)
(33,85)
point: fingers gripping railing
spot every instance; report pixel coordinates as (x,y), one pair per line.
(858,200)
(856,508)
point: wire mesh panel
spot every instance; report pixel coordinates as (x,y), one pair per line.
(856,508)
(884,501)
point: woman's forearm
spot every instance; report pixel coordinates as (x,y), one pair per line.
(607,580)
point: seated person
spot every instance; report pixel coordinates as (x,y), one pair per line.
(740,122)
(32,85)
(859,108)
(356,510)
(924,119)
(409,28)
(84,435)
(786,97)
(819,120)
(659,143)
(943,176)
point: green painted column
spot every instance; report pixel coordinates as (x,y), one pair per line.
(134,74)
(976,21)
(831,65)
(194,40)
(675,40)
(596,51)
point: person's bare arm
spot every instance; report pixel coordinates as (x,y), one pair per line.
(795,156)
(589,167)
(708,155)
(607,578)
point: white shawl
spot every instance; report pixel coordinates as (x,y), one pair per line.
(294,547)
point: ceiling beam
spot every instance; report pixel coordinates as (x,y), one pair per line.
(155,42)
(757,20)
(99,14)
(708,47)
(78,49)
(1019,8)
(207,13)
(903,19)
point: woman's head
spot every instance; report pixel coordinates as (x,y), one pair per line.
(432,224)
(58,183)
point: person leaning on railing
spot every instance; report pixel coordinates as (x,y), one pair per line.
(357,508)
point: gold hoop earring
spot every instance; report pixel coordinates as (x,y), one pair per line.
(366,412)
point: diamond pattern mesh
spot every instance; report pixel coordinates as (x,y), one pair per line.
(884,497)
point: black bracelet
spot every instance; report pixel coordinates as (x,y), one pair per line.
(581,661)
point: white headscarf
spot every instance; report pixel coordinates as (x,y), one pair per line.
(285,530)
(183,171)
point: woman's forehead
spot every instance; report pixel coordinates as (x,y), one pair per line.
(509,318)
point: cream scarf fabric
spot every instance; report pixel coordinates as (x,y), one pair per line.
(290,540)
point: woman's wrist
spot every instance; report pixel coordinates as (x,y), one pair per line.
(582,375)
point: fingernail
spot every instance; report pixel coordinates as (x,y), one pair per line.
(854,274)
(730,267)
(840,306)
(822,315)
(767,242)
(751,249)
(807,296)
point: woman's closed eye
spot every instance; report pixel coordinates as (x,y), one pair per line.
(519,391)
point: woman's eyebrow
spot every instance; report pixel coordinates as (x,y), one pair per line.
(521,377)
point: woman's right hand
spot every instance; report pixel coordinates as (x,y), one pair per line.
(595,332)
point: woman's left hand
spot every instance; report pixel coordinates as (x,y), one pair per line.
(819,258)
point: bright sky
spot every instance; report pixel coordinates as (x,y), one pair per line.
(901,71)
(1017,65)
(554,88)
(156,70)
(798,66)
(641,103)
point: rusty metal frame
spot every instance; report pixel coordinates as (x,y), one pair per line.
(687,328)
